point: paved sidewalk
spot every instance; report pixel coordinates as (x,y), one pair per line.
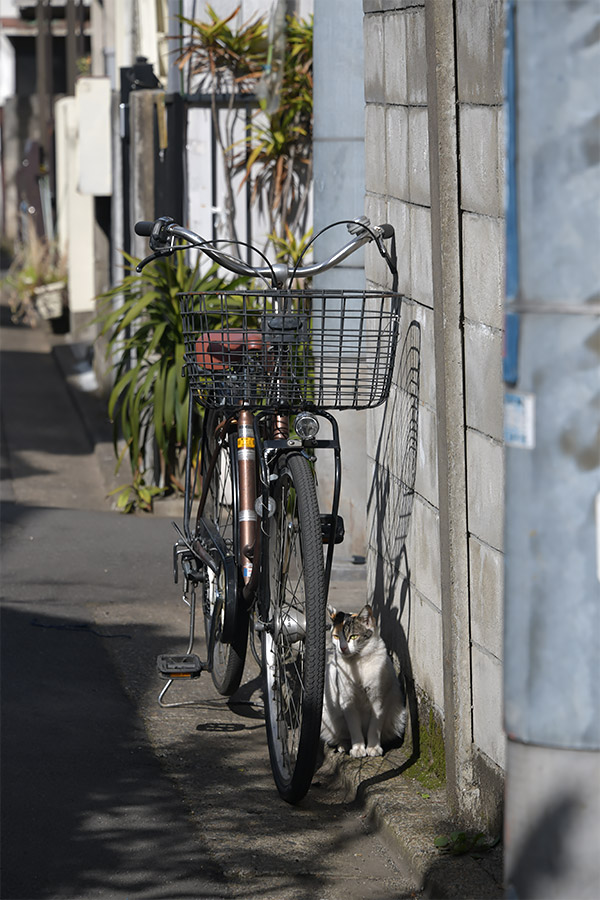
(409,816)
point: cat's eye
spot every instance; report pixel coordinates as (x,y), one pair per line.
(353,637)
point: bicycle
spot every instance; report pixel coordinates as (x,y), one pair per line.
(266,367)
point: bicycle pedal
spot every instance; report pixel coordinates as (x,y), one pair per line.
(326,523)
(185,666)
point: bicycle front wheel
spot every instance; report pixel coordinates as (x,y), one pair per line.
(293,639)
(222,589)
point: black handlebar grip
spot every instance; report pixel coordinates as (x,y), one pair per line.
(143,229)
(387,231)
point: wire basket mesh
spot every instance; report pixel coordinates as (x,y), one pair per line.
(290,349)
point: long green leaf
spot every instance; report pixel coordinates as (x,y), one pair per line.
(117,391)
(158,408)
(170,397)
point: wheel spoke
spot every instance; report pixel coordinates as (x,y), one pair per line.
(294,642)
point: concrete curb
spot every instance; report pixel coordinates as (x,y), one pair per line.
(73,362)
(409,818)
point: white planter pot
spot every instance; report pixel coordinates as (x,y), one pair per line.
(49,300)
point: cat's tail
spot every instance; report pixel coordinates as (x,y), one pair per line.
(395,727)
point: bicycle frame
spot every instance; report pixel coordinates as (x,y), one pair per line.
(253,457)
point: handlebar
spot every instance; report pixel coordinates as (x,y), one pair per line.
(164,232)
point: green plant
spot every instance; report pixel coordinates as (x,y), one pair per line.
(292,250)
(36,263)
(289,248)
(277,148)
(458,843)
(226,59)
(279,155)
(149,402)
(430,767)
(137,495)
(227,62)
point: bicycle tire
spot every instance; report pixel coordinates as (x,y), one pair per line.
(293,639)
(228,657)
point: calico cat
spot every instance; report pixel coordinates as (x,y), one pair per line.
(363,703)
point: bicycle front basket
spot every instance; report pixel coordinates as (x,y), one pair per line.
(290,349)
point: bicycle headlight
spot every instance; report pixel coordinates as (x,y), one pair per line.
(307,426)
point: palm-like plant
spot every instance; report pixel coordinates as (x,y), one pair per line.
(225,59)
(149,402)
(280,157)
(277,152)
(226,62)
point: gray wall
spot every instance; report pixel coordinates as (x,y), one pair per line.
(434,169)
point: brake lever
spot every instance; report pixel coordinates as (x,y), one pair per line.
(156,255)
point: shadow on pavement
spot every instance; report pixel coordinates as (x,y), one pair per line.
(86,810)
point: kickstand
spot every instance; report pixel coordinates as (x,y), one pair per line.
(188,654)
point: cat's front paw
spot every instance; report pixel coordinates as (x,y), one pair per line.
(358,751)
(377,750)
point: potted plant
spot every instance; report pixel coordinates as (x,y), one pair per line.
(37,281)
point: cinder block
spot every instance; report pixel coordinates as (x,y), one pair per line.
(418,156)
(483,379)
(400,4)
(403,435)
(375,164)
(411,626)
(425,645)
(481,160)
(399,217)
(423,547)
(486,567)
(395,58)
(485,488)
(374,59)
(426,482)
(390,509)
(397,142)
(420,255)
(416,58)
(480,49)
(416,316)
(483,269)
(488,732)
(376,270)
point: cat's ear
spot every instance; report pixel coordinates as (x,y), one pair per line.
(366,615)
(332,612)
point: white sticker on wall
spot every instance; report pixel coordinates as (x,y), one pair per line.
(519,420)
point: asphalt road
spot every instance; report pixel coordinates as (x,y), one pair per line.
(104,794)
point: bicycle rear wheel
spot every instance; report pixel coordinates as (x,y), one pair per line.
(222,590)
(293,640)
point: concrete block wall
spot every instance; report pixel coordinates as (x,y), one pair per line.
(405,543)
(404,547)
(479,53)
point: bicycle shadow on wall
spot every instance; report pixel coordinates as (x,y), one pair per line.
(389,506)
